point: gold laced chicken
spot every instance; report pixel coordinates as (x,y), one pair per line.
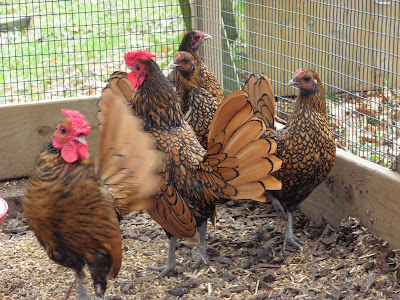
(200,105)
(236,164)
(207,80)
(306,144)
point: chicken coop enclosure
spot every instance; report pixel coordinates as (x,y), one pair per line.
(60,53)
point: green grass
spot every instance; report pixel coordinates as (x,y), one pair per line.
(71,46)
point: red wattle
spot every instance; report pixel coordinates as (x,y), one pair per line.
(133,80)
(83,151)
(69,152)
(56,143)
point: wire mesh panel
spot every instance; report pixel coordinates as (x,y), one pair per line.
(352,45)
(52,49)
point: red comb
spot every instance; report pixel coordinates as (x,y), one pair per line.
(78,121)
(132,56)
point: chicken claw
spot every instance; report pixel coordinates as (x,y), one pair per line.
(290,238)
(171,260)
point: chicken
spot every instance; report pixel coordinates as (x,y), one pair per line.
(306,145)
(236,164)
(69,206)
(191,42)
(122,85)
(199,103)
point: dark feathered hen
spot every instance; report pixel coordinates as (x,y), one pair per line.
(236,164)
(199,104)
(306,145)
(191,42)
(70,207)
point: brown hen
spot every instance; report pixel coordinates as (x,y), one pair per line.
(69,206)
(191,43)
(200,105)
(236,164)
(306,145)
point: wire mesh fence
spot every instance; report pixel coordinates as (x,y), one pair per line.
(68,48)
(352,45)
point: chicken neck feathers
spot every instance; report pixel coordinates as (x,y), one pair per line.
(198,105)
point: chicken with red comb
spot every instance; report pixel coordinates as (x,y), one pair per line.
(72,209)
(130,57)
(235,165)
(74,144)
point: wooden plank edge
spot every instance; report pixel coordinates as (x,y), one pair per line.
(27,126)
(49,102)
(358,188)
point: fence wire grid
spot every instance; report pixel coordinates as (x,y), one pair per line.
(56,49)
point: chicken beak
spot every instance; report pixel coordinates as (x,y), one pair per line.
(173,65)
(207,37)
(81,139)
(293,82)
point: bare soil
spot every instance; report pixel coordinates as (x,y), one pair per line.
(245,261)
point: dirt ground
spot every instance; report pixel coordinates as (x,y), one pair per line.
(245,261)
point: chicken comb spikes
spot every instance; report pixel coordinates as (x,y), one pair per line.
(298,72)
(302,71)
(132,56)
(78,121)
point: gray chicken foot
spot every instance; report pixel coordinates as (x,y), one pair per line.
(290,238)
(171,260)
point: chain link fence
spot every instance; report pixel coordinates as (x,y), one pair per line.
(56,49)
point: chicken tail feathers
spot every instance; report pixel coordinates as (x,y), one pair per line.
(128,159)
(261,97)
(241,161)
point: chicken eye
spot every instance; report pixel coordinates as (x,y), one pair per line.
(307,78)
(196,37)
(186,60)
(63,130)
(137,67)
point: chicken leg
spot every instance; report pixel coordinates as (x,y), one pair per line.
(201,257)
(289,236)
(81,289)
(171,260)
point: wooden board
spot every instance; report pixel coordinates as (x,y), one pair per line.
(359,188)
(26,127)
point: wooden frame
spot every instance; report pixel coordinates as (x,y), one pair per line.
(359,188)
(25,127)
